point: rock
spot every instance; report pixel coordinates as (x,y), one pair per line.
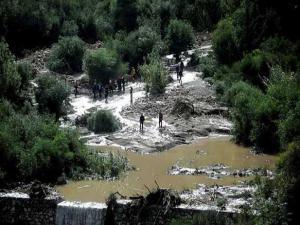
(38,190)
(182,107)
(62,179)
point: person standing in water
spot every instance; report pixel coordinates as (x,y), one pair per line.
(142,119)
(131,95)
(95,89)
(160,119)
(177,71)
(76,89)
(106,93)
(123,83)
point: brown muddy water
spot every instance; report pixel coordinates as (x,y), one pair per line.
(154,167)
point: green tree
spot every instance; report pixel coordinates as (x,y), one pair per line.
(52,96)
(102,65)
(155,76)
(67,55)
(10,79)
(125,15)
(179,36)
(103,121)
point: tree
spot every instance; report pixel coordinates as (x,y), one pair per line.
(10,79)
(139,44)
(125,15)
(103,65)
(67,55)
(179,37)
(52,96)
(103,121)
(155,76)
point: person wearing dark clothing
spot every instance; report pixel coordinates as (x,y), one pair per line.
(181,66)
(100,89)
(119,84)
(180,77)
(177,71)
(106,93)
(123,83)
(142,119)
(131,95)
(76,89)
(160,119)
(95,89)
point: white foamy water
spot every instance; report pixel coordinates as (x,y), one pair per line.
(78,213)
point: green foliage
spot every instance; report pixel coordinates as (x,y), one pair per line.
(103,65)
(155,76)
(107,165)
(140,43)
(67,55)
(125,15)
(214,218)
(208,66)
(224,44)
(10,79)
(69,28)
(33,147)
(103,121)
(52,96)
(26,74)
(179,36)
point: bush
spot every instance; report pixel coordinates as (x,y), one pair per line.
(69,28)
(140,43)
(224,45)
(125,15)
(208,66)
(107,165)
(103,121)
(26,73)
(52,96)
(179,37)
(155,76)
(244,100)
(103,65)
(34,147)
(67,55)
(10,79)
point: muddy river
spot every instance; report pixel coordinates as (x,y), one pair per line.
(154,167)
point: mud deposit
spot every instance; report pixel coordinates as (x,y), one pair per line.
(155,167)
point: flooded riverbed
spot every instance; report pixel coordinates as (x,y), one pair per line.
(154,167)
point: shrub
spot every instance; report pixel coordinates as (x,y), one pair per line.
(69,28)
(26,74)
(244,99)
(224,45)
(155,76)
(125,15)
(10,79)
(103,65)
(208,66)
(52,96)
(179,36)
(103,121)
(67,55)
(34,147)
(140,43)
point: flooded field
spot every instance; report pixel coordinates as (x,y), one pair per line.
(154,167)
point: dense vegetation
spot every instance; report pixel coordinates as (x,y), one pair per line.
(103,121)
(255,69)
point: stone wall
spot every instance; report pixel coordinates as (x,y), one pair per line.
(19,209)
(156,215)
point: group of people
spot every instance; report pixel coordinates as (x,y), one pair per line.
(179,71)
(142,120)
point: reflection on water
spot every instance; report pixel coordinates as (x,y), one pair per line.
(154,167)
